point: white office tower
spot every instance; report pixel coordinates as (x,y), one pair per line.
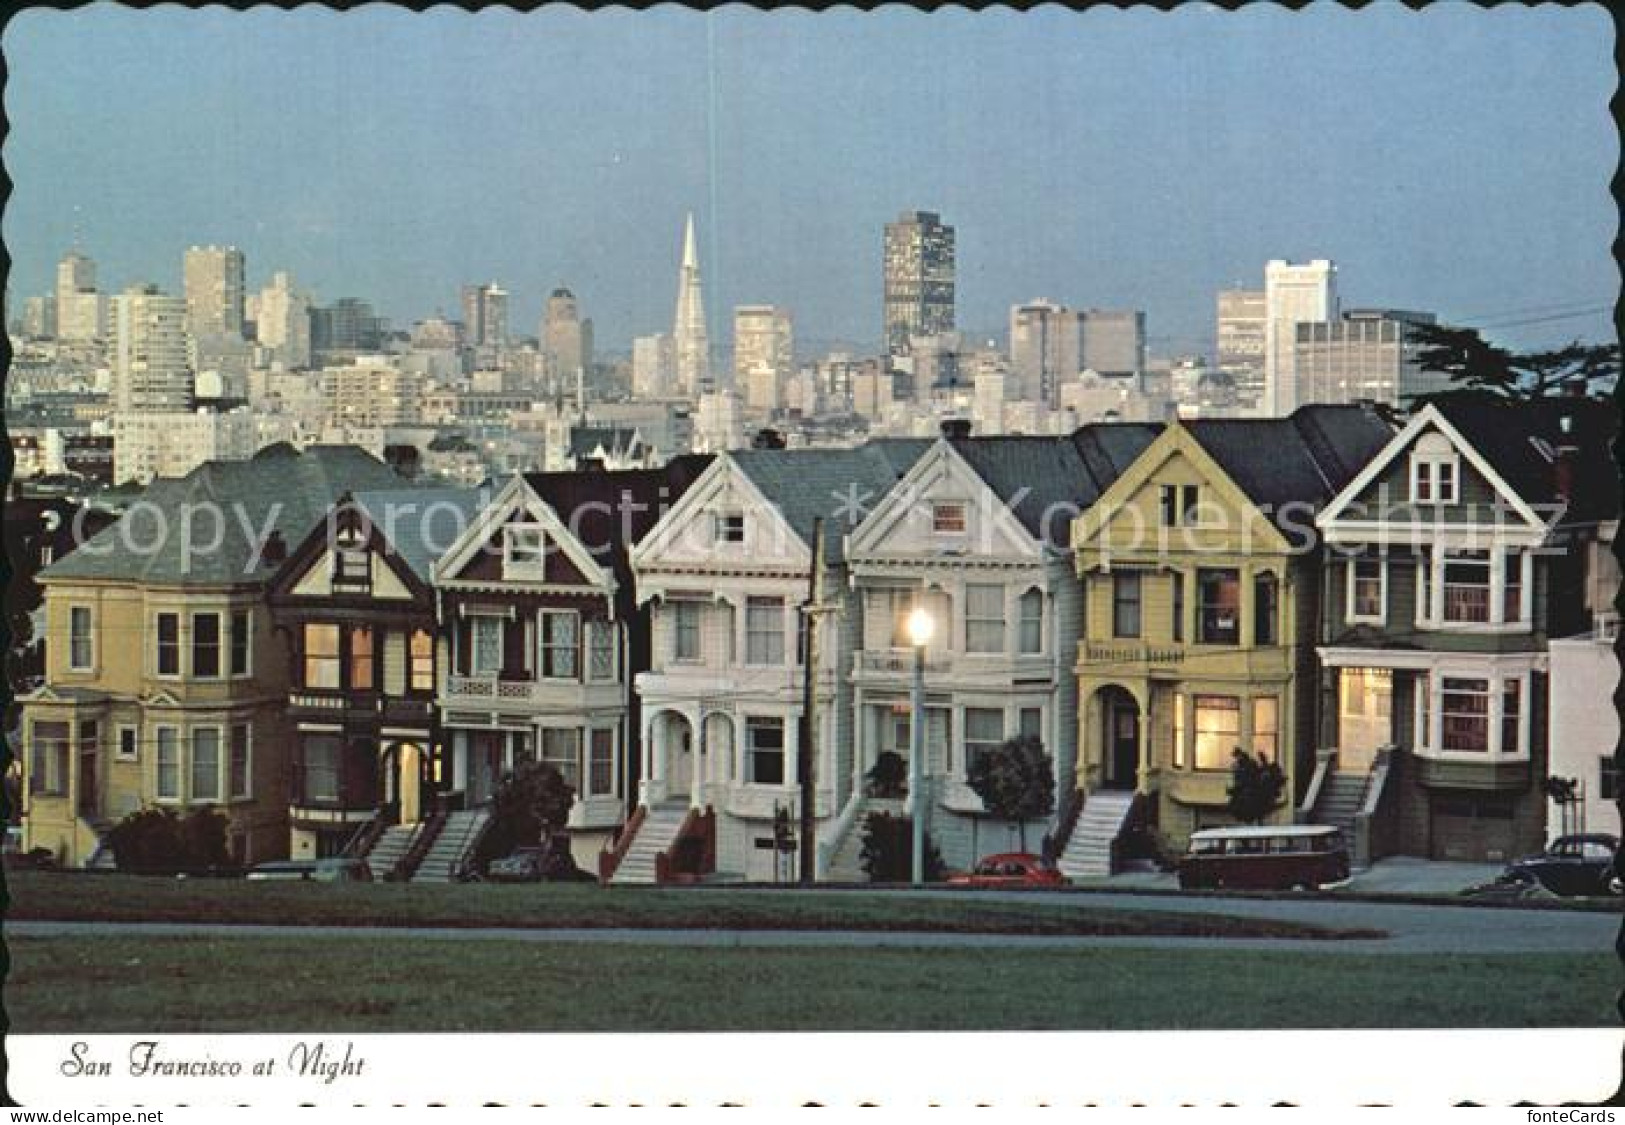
(151,368)
(80,310)
(1293,294)
(214,290)
(719,422)
(654,366)
(688,326)
(283,323)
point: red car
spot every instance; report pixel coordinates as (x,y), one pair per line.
(1009,869)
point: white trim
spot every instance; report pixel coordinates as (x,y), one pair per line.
(517,496)
(941,462)
(535,626)
(181,759)
(90,611)
(1428,416)
(221,785)
(1350,614)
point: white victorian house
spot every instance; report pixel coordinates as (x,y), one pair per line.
(726,574)
(977,534)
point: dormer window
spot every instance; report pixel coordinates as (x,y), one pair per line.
(729,527)
(948,517)
(1435,471)
(523,549)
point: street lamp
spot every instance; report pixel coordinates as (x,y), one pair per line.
(920,627)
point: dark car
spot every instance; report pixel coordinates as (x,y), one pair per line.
(1573,865)
(523,866)
(1009,869)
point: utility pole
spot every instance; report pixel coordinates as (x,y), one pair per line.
(806,757)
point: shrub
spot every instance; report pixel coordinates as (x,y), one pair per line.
(889,775)
(888,850)
(1256,786)
(159,841)
(529,808)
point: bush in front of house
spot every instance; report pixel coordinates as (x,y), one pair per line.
(159,841)
(888,850)
(530,809)
(889,775)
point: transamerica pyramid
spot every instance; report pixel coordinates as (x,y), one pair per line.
(688,329)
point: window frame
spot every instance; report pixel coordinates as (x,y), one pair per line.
(493,624)
(1266,609)
(548,752)
(777,723)
(521,560)
(196,647)
(728,528)
(979,622)
(240,642)
(89,638)
(757,607)
(415,659)
(178,764)
(194,793)
(1211,703)
(1030,616)
(550,648)
(1123,579)
(943,521)
(119,752)
(173,645)
(333,660)
(1352,583)
(971,747)
(609,761)
(1203,607)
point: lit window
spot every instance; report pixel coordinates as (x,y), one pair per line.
(422,661)
(322,657)
(1465,711)
(1218,730)
(1218,607)
(363,665)
(1179,730)
(1267,725)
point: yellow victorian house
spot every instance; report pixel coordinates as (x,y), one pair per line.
(1200,587)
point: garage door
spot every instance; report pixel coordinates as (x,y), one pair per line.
(1473,829)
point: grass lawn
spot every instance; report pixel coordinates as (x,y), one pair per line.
(355,984)
(68,897)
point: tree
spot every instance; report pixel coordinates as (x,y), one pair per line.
(889,776)
(888,850)
(1257,784)
(1016,781)
(1473,364)
(530,808)
(158,841)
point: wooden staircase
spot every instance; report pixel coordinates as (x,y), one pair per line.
(1088,853)
(656,834)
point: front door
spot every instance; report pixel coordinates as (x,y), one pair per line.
(408,782)
(680,761)
(1122,744)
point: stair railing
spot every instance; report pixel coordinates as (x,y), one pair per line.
(1323,771)
(422,840)
(697,833)
(609,859)
(363,838)
(462,865)
(1066,822)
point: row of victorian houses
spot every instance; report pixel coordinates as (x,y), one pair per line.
(343,661)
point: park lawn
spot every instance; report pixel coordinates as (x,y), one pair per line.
(120,984)
(77,897)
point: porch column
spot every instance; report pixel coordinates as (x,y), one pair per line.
(697,761)
(653,786)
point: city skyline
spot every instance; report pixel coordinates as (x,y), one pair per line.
(1104,205)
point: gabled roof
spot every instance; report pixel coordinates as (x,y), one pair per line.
(278,489)
(1307,457)
(841,485)
(417,536)
(1048,480)
(611,511)
(1511,437)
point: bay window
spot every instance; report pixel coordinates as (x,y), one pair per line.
(168,761)
(321,661)
(984,618)
(485,634)
(561,749)
(48,769)
(1180,755)
(1464,708)
(205,645)
(984,731)
(1217,729)
(363,665)
(1512,586)
(205,763)
(321,772)
(240,635)
(1267,726)
(238,785)
(601,767)
(764,631)
(560,638)
(1467,586)
(601,650)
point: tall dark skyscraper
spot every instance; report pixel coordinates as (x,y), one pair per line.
(919,281)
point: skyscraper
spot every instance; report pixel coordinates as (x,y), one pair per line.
(654,366)
(692,340)
(151,370)
(79,308)
(214,290)
(763,338)
(485,315)
(1046,349)
(566,338)
(1367,354)
(1292,294)
(1114,341)
(1241,324)
(919,279)
(283,323)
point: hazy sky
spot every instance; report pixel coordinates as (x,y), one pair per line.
(1455,159)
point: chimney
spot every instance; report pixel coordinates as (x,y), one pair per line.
(956,429)
(767,439)
(274,551)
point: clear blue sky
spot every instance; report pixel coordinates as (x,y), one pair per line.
(1455,159)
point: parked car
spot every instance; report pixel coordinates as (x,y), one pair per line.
(1573,865)
(524,865)
(1009,869)
(338,869)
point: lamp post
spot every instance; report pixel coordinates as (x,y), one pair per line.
(920,627)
